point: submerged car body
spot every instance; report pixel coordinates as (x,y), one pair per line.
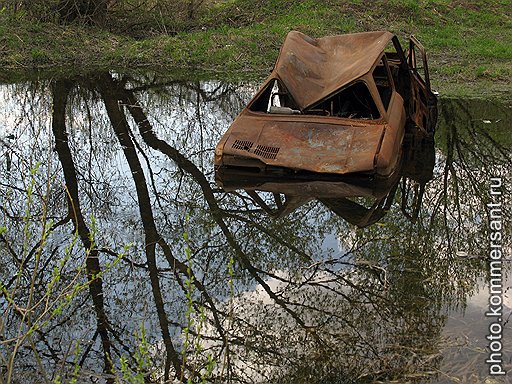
(358,199)
(335,105)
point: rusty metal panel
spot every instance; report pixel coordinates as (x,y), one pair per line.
(316,146)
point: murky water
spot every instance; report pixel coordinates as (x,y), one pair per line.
(122,260)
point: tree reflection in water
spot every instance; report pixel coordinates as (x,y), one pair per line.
(107,173)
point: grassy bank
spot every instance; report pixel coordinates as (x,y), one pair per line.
(468,41)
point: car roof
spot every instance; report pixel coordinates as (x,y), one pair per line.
(313,69)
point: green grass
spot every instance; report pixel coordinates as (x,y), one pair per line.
(468,41)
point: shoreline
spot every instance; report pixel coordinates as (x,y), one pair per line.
(467,42)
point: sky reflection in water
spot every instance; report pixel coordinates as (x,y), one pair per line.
(121,257)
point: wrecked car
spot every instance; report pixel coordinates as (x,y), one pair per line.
(335,105)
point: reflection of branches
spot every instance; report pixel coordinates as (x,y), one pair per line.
(472,155)
(288,304)
(272,235)
(60,94)
(219,92)
(153,141)
(21,264)
(153,238)
(449,170)
(353,305)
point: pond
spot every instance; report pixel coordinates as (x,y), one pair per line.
(123,259)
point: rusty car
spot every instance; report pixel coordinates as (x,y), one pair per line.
(337,105)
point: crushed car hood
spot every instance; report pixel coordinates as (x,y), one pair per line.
(312,69)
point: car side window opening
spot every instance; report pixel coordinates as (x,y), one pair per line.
(417,62)
(383,82)
(274,99)
(353,102)
(395,57)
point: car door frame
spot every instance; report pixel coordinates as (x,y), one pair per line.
(424,101)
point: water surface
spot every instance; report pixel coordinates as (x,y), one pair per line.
(122,260)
